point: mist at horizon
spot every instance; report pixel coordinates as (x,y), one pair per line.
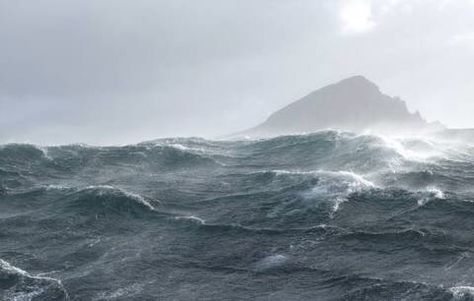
(117,72)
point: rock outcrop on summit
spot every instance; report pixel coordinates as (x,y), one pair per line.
(353,104)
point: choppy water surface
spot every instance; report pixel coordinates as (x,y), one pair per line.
(326,216)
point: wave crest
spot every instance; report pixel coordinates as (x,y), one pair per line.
(18,284)
(108,200)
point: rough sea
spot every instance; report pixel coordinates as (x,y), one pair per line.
(325,216)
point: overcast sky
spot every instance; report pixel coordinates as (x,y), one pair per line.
(116,71)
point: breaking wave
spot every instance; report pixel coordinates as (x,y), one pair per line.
(324,216)
(16,284)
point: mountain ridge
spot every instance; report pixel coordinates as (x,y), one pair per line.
(353,104)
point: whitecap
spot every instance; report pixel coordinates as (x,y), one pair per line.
(57,187)
(280,172)
(271,262)
(337,186)
(191,218)
(357,180)
(181,147)
(5,266)
(407,153)
(433,192)
(439,194)
(336,204)
(462,291)
(423,201)
(138,198)
(29,286)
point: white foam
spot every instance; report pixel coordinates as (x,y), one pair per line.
(280,172)
(184,148)
(22,296)
(179,146)
(56,187)
(423,201)
(272,261)
(5,266)
(94,187)
(437,193)
(406,152)
(138,198)
(192,218)
(129,194)
(358,180)
(461,291)
(336,204)
(336,186)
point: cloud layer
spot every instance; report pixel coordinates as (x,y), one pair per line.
(115,71)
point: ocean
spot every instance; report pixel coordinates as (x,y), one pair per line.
(325,216)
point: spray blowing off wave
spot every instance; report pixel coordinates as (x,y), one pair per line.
(329,216)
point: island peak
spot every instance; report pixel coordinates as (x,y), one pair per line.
(353,104)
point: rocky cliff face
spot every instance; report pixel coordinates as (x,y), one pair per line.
(354,104)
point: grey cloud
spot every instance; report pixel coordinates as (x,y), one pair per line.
(123,71)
